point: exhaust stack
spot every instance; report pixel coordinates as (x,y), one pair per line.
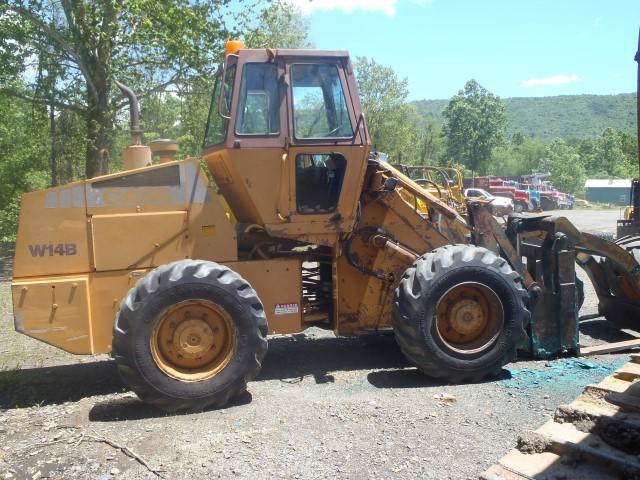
(135,155)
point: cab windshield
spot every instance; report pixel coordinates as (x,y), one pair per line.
(319,105)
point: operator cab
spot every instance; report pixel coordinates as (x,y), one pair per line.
(285,135)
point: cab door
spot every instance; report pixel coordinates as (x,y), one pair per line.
(326,158)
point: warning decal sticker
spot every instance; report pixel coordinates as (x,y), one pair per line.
(286,308)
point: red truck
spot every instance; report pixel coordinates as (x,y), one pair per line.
(502,188)
(552,199)
(549,197)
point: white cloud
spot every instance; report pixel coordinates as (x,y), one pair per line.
(615,75)
(554,80)
(388,7)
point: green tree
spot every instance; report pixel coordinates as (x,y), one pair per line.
(151,45)
(433,143)
(524,155)
(392,122)
(566,167)
(609,155)
(505,161)
(79,47)
(23,163)
(279,25)
(474,125)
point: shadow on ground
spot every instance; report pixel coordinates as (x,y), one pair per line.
(53,385)
(290,359)
(601,329)
(299,356)
(125,409)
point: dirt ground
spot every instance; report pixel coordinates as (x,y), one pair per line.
(322,407)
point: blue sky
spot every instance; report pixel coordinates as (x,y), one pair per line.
(513,48)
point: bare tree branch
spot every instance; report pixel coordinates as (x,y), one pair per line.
(42,101)
(57,38)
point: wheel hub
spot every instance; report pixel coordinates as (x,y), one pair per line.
(469,318)
(193,340)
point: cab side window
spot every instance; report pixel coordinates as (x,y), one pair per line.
(259,105)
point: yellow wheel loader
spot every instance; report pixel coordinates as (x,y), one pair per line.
(183,281)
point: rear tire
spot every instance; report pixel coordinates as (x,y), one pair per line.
(460,313)
(615,309)
(190,335)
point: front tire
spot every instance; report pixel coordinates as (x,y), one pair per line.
(460,313)
(190,335)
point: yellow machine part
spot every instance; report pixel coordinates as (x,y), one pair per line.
(76,313)
(365,302)
(263,192)
(82,246)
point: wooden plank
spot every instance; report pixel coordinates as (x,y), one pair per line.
(550,451)
(610,347)
(627,402)
(498,472)
(630,368)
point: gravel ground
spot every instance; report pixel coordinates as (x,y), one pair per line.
(322,407)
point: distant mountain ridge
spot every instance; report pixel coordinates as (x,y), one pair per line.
(565,116)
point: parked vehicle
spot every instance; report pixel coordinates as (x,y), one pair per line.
(500,206)
(182,283)
(502,188)
(534,194)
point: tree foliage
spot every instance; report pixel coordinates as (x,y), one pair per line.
(23,164)
(279,25)
(82,46)
(565,165)
(59,108)
(394,124)
(474,125)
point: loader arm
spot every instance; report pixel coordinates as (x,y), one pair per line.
(544,250)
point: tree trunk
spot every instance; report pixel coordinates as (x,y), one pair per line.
(54,143)
(99,124)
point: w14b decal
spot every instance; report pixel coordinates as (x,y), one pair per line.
(51,249)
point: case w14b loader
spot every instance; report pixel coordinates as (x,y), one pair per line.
(183,283)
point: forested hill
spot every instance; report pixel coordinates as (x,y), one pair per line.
(566,116)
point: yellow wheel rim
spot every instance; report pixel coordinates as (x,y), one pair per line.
(469,318)
(193,340)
